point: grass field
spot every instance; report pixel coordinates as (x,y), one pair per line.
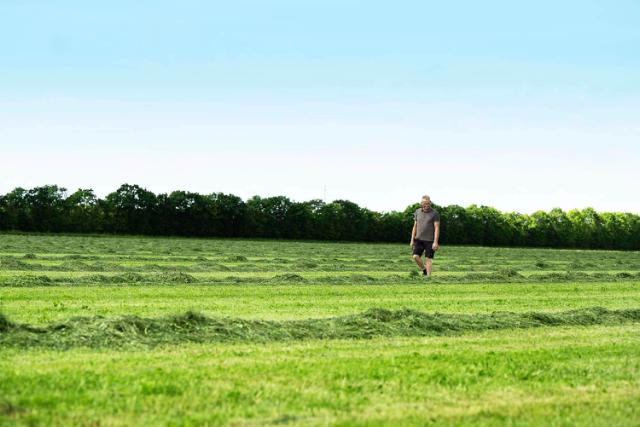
(167,331)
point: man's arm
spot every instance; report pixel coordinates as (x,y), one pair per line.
(436,235)
(413,233)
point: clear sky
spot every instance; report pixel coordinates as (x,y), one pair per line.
(517,105)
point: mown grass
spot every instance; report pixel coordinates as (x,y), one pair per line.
(559,376)
(133,331)
(41,305)
(93,331)
(100,253)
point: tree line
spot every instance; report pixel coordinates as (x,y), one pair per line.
(132,209)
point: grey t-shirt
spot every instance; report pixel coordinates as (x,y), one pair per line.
(425,221)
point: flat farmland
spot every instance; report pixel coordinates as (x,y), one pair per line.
(106,330)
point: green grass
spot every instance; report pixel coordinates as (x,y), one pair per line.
(134,331)
(93,331)
(563,376)
(41,305)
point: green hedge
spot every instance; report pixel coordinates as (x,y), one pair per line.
(134,210)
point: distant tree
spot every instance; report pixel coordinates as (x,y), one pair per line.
(475,225)
(82,212)
(327,219)
(229,214)
(494,227)
(516,228)
(351,220)
(16,210)
(189,214)
(633,234)
(135,210)
(46,208)
(130,209)
(298,221)
(392,227)
(538,229)
(586,225)
(561,229)
(315,207)
(453,221)
(4,218)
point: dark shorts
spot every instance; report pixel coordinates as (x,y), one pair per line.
(422,246)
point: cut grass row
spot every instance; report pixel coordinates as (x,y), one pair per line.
(181,249)
(451,261)
(266,267)
(284,301)
(65,243)
(135,331)
(22,279)
(561,376)
(587,373)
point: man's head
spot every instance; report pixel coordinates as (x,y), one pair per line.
(425,202)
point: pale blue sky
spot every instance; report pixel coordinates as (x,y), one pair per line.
(521,106)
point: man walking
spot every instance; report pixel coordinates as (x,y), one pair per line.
(425,235)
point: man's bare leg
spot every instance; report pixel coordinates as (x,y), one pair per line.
(418,260)
(429,265)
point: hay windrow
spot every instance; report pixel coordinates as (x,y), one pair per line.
(413,277)
(174,277)
(134,331)
(288,278)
